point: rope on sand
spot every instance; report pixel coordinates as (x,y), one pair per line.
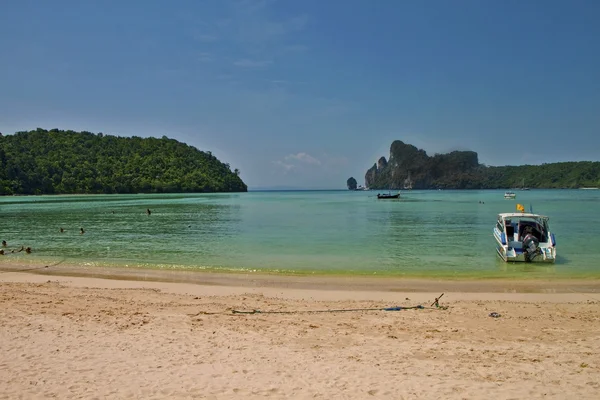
(434,306)
(398,308)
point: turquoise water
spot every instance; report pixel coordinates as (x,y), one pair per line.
(425,233)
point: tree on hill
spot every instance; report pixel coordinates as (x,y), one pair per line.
(68,162)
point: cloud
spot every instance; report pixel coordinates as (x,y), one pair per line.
(296,162)
(284,166)
(304,170)
(247,63)
(304,158)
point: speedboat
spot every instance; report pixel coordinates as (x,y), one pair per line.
(510,195)
(524,237)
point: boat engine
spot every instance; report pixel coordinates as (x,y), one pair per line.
(531,247)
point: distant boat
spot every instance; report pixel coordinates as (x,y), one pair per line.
(510,195)
(588,188)
(523,185)
(408,183)
(388,196)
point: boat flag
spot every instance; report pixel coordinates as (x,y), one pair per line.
(520,208)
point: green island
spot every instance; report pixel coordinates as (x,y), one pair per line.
(411,168)
(67,162)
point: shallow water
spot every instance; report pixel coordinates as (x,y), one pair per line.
(425,233)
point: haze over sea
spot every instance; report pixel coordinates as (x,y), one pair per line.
(425,233)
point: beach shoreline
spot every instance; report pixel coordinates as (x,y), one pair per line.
(381,284)
(180,335)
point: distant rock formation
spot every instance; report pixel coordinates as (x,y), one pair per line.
(410,167)
(351,183)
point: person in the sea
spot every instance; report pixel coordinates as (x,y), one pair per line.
(4,243)
(28,250)
(61,230)
(1,252)
(81,231)
(148,211)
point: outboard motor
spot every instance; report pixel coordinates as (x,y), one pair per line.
(530,247)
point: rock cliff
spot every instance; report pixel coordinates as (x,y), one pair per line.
(409,167)
(351,183)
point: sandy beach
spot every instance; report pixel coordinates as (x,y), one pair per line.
(123,334)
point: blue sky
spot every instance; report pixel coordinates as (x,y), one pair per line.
(308,93)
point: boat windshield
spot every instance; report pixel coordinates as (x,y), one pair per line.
(536,226)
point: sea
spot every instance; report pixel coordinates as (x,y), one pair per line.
(425,233)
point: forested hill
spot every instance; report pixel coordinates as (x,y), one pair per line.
(409,166)
(68,162)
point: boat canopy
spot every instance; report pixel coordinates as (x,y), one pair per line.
(523,215)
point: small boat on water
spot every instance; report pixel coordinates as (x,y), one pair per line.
(524,237)
(510,195)
(408,183)
(388,196)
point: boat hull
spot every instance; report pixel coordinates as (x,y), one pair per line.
(508,256)
(546,255)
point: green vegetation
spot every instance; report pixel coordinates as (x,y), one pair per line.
(67,162)
(461,170)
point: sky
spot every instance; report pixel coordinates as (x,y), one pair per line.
(305,94)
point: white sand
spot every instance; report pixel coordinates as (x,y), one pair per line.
(80,337)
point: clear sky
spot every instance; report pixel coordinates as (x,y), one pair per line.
(308,93)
